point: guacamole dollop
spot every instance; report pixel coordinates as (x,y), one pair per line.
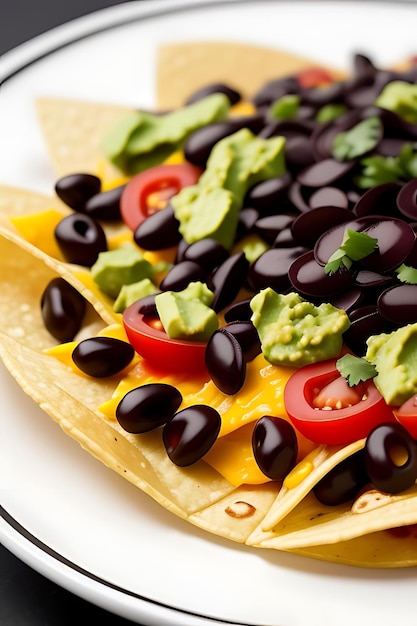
(295,332)
(187,314)
(395,358)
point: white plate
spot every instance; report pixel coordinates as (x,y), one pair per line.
(64,513)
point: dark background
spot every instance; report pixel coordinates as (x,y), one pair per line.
(26,597)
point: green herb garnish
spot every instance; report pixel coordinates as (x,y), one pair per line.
(407,274)
(355,369)
(378,170)
(357,141)
(355,246)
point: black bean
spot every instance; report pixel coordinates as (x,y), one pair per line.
(158,231)
(391,458)
(101,357)
(76,189)
(270,226)
(240,311)
(324,172)
(267,196)
(407,199)
(227,280)
(80,239)
(275,446)
(147,407)
(225,361)
(207,252)
(233,95)
(247,336)
(271,268)
(342,483)
(105,205)
(181,274)
(190,434)
(199,145)
(309,226)
(398,304)
(63,309)
(309,278)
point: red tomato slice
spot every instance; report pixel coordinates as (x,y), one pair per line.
(148,338)
(406,414)
(314,77)
(151,190)
(332,425)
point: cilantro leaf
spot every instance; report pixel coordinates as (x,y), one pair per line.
(407,274)
(355,369)
(355,246)
(378,169)
(358,140)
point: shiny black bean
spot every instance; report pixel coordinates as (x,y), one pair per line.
(270,226)
(247,336)
(225,361)
(379,200)
(181,274)
(398,304)
(147,407)
(299,153)
(80,239)
(275,89)
(239,311)
(391,458)
(342,483)
(407,199)
(233,95)
(271,268)
(309,226)
(275,446)
(365,321)
(105,205)
(189,435)
(101,357)
(75,189)
(158,231)
(246,222)
(309,278)
(227,280)
(268,195)
(63,309)
(199,145)
(147,306)
(324,172)
(207,252)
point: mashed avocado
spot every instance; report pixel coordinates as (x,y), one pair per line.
(395,358)
(143,140)
(400,97)
(294,332)
(122,266)
(187,314)
(211,207)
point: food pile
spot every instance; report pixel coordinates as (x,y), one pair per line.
(224,308)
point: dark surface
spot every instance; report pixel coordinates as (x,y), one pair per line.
(26,597)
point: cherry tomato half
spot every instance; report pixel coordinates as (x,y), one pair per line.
(406,414)
(149,339)
(151,190)
(332,425)
(314,77)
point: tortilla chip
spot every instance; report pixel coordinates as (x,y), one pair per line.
(73,132)
(185,67)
